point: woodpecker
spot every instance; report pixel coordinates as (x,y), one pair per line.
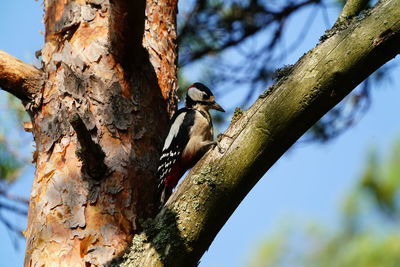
(190,136)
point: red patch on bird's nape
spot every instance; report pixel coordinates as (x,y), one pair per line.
(191,86)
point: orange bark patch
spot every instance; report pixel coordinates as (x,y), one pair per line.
(54,12)
(86,243)
(88,33)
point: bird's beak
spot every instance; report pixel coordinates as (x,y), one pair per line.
(216,106)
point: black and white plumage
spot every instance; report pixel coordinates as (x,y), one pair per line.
(190,136)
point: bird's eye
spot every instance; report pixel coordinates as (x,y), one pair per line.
(206,96)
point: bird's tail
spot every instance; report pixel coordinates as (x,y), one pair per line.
(163,193)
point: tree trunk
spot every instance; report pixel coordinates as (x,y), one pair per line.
(101,119)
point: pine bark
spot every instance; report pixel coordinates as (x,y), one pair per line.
(110,85)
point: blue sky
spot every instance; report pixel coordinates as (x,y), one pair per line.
(306,185)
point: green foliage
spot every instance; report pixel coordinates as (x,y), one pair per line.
(9,165)
(12,115)
(269,253)
(368,235)
(380,184)
(16,108)
(364,249)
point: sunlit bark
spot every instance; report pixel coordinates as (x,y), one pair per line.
(101,71)
(20,79)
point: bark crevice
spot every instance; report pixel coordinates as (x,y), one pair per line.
(89,152)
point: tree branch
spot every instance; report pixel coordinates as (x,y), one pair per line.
(18,78)
(15,198)
(13,209)
(194,214)
(351,9)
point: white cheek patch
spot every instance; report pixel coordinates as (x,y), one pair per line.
(174,130)
(195,94)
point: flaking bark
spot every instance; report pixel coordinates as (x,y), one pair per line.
(99,66)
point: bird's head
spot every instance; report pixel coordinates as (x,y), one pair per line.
(199,95)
